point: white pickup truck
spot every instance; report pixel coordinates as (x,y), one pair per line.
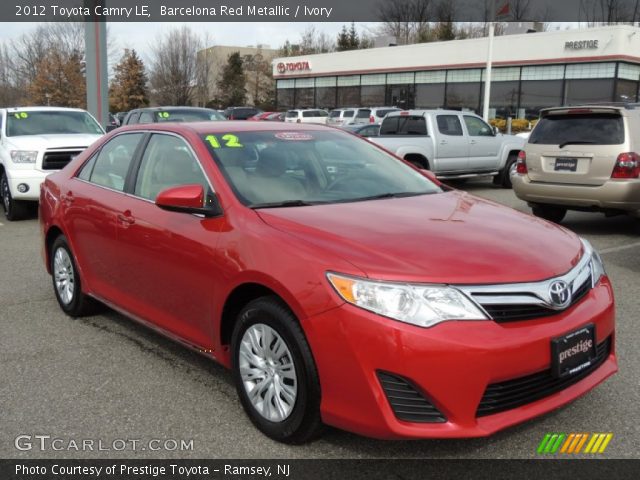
(450,143)
(34,142)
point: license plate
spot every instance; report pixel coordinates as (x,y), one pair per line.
(573,352)
(566,164)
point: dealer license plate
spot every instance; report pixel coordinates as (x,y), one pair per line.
(573,352)
(564,164)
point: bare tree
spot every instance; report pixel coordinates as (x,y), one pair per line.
(519,10)
(174,70)
(607,12)
(406,19)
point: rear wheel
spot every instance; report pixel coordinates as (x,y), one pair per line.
(418,161)
(274,372)
(552,213)
(13,209)
(66,281)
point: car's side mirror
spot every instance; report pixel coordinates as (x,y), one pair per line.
(186,199)
(495,130)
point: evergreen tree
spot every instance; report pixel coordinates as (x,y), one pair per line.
(232,83)
(128,89)
(59,81)
(342,43)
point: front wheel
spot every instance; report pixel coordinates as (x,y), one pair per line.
(66,281)
(13,209)
(503,179)
(549,212)
(274,372)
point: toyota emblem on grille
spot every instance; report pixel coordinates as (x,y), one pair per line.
(560,294)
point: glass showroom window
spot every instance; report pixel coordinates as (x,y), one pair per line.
(626,91)
(349,91)
(326,92)
(285,92)
(463,95)
(373,95)
(304,98)
(504,99)
(588,91)
(401,96)
(538,94)
(430,87)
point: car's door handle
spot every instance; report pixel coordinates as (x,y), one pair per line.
(67,198)
(443,142)
(472,142)
(126,218)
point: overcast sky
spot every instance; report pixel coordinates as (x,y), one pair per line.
(141,35)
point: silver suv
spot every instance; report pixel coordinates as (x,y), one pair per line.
(582,158)
(348,116)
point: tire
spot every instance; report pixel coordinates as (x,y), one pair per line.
(503,179)
(418,161)
(67,285)
(293,418)
(13,209)
(549,212)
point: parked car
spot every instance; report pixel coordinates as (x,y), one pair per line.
(582,158)
(34,142)
(378,113)
(241,113)
(450,143)
(340,284)
(307,115)
(171,114)
(363,130)
(120,116)
(263,116)
(113,123)
(348,116)
(276,117)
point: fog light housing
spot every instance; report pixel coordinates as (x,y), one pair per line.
(23,188)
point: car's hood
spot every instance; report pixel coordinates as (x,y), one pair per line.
(43,142)
(450,237)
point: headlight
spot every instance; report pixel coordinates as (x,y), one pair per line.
(421,305)
(597,268)
(23,156)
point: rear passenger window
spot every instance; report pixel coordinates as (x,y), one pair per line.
(363,113)
(133,118)
(87,168)
(404,125)
(112,165)
(348,113)
(449,125)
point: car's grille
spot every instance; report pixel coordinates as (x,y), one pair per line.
(407,402)
(502,396)
(58,159)
(511,313)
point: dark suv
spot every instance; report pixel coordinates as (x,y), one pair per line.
(171,114)
(241,113)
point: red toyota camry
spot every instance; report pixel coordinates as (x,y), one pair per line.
(341,285)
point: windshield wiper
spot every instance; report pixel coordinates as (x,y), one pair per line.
(286,203)
(386,195)
(576,142)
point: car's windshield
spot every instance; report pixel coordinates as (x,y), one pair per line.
(188,115)
(310,167)
(42,122)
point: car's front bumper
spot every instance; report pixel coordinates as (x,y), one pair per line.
(612,195)
(31,178)
(451,364)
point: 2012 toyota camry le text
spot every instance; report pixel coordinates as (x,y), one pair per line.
(340,284)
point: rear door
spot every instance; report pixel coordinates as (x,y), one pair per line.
(362,116)
(576,146)
(452,145)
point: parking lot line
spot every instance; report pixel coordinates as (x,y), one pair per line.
(620,248)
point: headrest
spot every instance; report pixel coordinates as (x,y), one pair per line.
(271,163)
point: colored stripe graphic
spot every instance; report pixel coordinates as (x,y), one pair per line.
(573,443)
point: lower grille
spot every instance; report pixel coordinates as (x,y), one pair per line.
(58,160)
(502,396)
(407,402)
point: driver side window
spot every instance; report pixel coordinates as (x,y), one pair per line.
(477,127)
(167,162)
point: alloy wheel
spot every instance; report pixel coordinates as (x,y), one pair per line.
(64,276)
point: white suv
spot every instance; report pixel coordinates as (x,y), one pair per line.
(307,115)
(34,142)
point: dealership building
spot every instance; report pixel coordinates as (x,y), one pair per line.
(530,71)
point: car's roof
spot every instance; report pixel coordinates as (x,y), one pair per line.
(424,111)
(170,108)
(228,126)
(44,108)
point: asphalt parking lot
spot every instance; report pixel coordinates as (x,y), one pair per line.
(106,378)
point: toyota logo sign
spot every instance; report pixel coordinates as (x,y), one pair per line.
(560,294)
(283,67)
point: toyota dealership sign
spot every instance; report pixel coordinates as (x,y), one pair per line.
(284,67)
